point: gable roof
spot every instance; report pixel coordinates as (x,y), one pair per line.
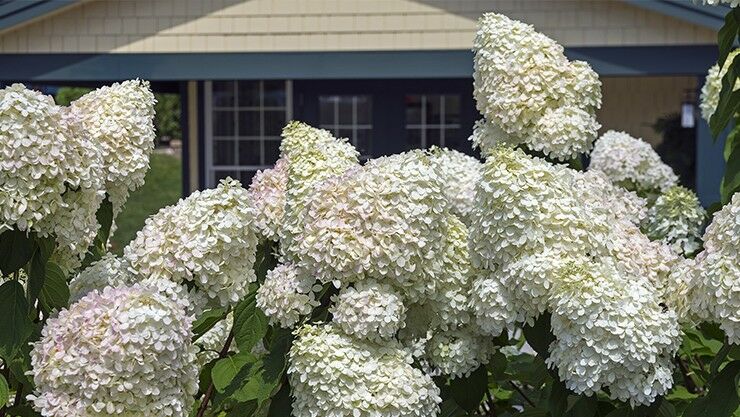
(16,12)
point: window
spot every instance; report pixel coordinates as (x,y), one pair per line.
(244,120)
(349,116)
(433,119)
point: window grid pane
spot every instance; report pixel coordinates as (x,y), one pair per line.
(238,141)
(348,116)
(430,117)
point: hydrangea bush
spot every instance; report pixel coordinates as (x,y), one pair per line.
(427,283)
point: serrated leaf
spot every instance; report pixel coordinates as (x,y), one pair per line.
(16,249)
(727,35)
(55,292)
(227,368)
(15,326)
(728,100)
(250,323)
(498,365)
(469,391)
(206,321)
(722,398)
(4,392)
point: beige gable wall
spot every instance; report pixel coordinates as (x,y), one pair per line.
(329,25)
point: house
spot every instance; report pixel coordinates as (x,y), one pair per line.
(388,74)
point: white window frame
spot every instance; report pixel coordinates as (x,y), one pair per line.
(209,137)
(424,127)
(354,125)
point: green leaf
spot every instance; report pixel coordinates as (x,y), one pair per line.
(728,100)
(722,398)
(4,392)
(533,412)
(731,180)
(244,409)
(557,402)
(282,403)
(727,35)
(469,391)
(16,249)
(498,366)
(204,378)
(36,276)
(105,220)
(449,408)
(55,292)
(539,335)
(620,412)
(584,407)
(666,409)
(250,323)
(206,321)
(227,368)
(15,326)
(22,410)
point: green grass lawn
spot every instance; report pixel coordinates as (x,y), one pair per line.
(163,187)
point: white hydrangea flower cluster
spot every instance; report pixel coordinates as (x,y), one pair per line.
(533,222)
(207,239)
(529,93)
(121,352)
(459,173)
(385,220)
(631,163)
(715,275)
(110,270)
(677,218)
(458,352)
(611,332)
(313,156)
(120,120)
(286,295)
(267,193)
(332,374)
(50,172)
(369,310)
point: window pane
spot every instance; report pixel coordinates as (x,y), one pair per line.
(221,174)
(223,152)
(413,109)
(274,122)
(413,138)
(364,110)
(274,93)
(455,140)
(249,123)
(223,123)
(345,133)
(452,109)
(249,152)
(433,137)
(249,93)
(245,177)
(434,109)
(345,110)
(272,151)
(326,110)
(363,141)
(223,93)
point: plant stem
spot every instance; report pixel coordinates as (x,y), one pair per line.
(688,380)
(209,392)
(521,392)
(491,404)
(18,395)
